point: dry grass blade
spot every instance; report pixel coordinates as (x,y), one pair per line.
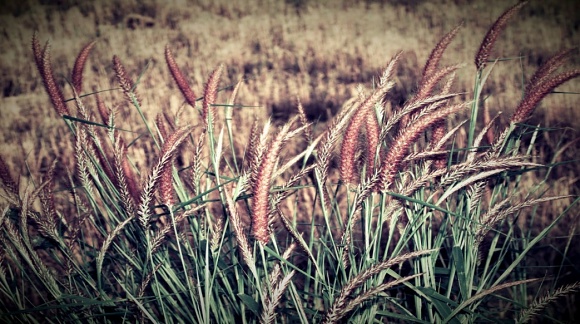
(339,304)
(80,62)
(269,311)
(485,293)
(179,78)
(241,237)
(358,300)
(493,33)
(538,305)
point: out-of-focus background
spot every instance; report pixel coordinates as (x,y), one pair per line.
(317,51)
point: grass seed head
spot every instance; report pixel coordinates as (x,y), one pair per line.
(538,92)
(80,62)
(53,90)
(179,78)
(493,33)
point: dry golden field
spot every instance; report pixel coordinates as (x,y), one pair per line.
(316,51)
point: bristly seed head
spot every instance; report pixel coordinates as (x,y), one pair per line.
(77,72)
(179,78)
(126,84)
(53,90)
(538,92)
(493,33)
(210,95)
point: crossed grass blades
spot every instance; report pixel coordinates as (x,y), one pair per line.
(405,229)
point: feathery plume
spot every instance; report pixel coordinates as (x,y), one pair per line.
(103,111)
(128,197)
(126,84)
(492,35)
(77,72)
(539,304)
(127,171)
(304,121)
(165,161)
(336,311)
(538,92)
(372,132)
(440,128)
(241,237)
(261,189)
(179,78)
(8,182)
(436,54)
(53,90)
(429,83)
(210,95)
(551,65)
(401,144)
(37,53)
(349,143)
(161,127)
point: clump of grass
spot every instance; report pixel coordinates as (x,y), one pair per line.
(199,235)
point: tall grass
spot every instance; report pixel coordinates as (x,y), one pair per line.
(401,223)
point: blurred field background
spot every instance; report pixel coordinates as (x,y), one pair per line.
(317,51)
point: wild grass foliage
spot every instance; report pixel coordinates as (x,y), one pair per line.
(409,227)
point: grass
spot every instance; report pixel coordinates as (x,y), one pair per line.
(200,212)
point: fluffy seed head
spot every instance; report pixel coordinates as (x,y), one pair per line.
(538,92)
(261,189)
(401,144)
(493,33)
(53,90)
(126,84)
(437,53)
(210,95)
(551,65)
(77,72)
(182,83)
